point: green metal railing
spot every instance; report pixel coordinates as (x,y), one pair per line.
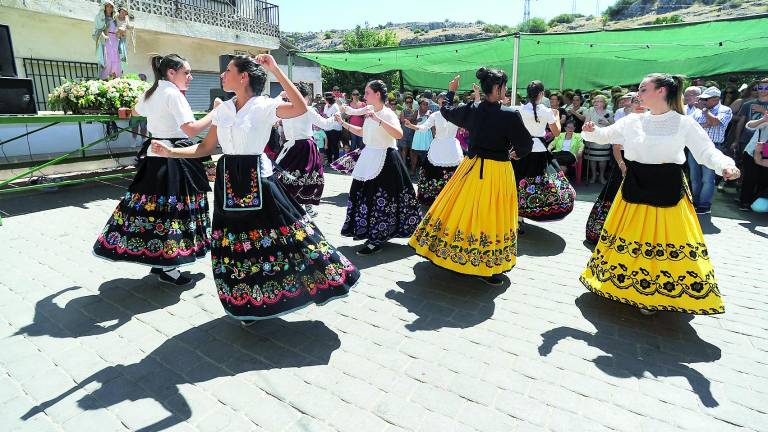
(53,120)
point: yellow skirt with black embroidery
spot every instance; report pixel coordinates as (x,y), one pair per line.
(654,258)
(471,228)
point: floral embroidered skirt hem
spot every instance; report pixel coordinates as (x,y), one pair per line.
(384,207)
(654,258)
(602,206)
(432,179)
(301,172)
(346,164)
(543,192)
(268,257)
(471,228)
(162,220)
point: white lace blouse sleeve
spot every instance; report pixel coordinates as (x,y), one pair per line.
(702,148)
(320,121)
(607,135)
(430,123)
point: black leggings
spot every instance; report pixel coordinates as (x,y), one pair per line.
(332,147)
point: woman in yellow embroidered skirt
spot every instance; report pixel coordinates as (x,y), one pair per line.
(651,253)
(471,228)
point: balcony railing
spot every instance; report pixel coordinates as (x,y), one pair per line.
(251,16)
(47,74)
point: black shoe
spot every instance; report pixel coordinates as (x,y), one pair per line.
(745,207)
(368,249)
(494,280)
(173,277)
(702,210)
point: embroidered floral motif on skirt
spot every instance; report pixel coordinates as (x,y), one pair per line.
(471,228)
(432,179)
(543,192)
(654,258)
(301,172)
(384,207)
(602,206)
(273,260)
(163,219)
(346,163)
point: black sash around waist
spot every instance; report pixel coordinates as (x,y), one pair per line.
(659,185)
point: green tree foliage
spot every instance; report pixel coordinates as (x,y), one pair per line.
(617,9)
(534,25)
(562,19)
(668,19)
(496,28)
(349,80)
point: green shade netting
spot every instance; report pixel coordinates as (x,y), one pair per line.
(590,59)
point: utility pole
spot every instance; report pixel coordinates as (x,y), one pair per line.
(526,10)
(573,8)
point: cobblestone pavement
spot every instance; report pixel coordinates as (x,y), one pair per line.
(88,345)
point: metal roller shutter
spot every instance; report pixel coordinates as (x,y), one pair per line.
(199,92)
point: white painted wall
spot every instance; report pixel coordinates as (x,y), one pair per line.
(61,30)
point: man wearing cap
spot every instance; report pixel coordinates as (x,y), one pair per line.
(714,118)
(624,106)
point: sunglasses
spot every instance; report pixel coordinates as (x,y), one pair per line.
(762,87)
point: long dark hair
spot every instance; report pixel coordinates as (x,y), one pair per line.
(303,88)
(674,86)
(257,76)
(160,66)
(379,87)
(534,89)
(490,77)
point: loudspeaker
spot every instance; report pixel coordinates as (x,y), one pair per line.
(7,62)
(17,96)
(219,93)
(224,62)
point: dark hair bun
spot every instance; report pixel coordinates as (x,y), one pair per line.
(481,73)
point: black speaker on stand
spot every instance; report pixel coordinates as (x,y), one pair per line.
(16,94)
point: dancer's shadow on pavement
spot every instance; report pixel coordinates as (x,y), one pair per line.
(707,227)
(389,252)
(117,302)
(540,242)
(442,298)
(662,345)
(752,227)
(339,200)
(216,349)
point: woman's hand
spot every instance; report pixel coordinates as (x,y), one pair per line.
(454,84)
(623,168)
(267,61)
(161,149)
(731,173)
(338,118)
(588,127)
(476,91)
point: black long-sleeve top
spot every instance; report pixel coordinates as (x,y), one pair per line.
(493,130)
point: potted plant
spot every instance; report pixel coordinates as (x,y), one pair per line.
(96,96)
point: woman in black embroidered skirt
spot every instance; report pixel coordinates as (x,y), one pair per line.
(268,256)
(162,221)
(382,202)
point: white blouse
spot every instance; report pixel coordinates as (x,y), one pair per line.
(445,149)
(376,141)
(537,129)
(166,110)
(299,128)
(657,139)
(247,132)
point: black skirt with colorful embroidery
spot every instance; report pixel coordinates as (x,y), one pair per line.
(602,206)
(432,179)
(268,257)
(162,220)
(384,207)
(543,191)
(301,172)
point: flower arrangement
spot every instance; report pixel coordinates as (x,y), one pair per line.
(96,95)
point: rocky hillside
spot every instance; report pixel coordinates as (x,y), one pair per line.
(625,13)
